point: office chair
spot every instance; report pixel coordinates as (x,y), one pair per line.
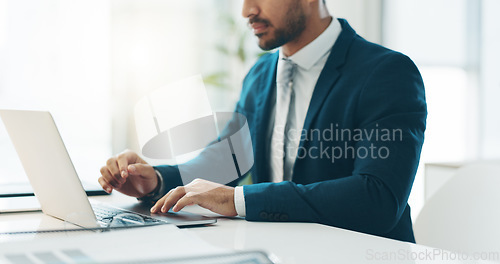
(464,214)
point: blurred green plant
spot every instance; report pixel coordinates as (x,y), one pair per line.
(236,52)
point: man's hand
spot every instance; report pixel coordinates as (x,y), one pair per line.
(129,174)
(215,197)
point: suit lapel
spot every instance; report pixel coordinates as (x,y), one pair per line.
(266,101)
(330,73)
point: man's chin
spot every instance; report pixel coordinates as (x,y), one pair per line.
(267,44)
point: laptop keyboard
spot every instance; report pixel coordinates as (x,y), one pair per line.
(107,215)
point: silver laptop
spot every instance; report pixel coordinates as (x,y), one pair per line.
(57,186)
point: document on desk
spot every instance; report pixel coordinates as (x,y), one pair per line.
(121,246)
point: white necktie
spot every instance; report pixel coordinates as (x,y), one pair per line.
(282,145)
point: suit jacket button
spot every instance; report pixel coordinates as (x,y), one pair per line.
(263,215)
(284,217)
(270,217)
(276,217)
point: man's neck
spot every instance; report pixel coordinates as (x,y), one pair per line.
(311,32)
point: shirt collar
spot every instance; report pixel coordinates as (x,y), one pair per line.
(309,55)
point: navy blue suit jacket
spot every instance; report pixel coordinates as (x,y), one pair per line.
(363,87)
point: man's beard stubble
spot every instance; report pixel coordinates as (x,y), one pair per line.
(294,25)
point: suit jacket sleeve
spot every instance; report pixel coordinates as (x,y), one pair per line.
(373,198)
(211,154)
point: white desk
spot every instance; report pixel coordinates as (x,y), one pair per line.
(289,242)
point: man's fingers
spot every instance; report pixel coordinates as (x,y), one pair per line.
(108,177)
(105,185)
(156,208)
(172,199)
(123,160)
(139,169)
(122,163)
(183,202)
(212,196)
(112,166)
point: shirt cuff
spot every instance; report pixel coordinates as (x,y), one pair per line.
(161,191)
(239,201)
(156,194)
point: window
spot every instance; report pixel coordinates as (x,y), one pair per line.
(454,44)
(89,62)
(54,55)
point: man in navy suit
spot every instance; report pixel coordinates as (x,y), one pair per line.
(337,125)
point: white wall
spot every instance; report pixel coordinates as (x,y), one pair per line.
(490,81)
(365,16)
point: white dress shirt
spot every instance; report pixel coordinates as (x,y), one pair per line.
(310,61)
